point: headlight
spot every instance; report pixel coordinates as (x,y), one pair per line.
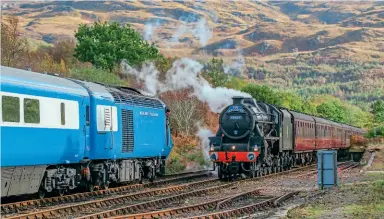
(233,147)
(256,148)
(212,148)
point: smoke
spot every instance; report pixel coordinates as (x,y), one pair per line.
(184,73)
(148,75)
(236,67)
(181,30)
(203,134)
(200,30)
(149,30)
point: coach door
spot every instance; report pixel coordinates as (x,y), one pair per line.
(347,137)
(86,129)
(287,131)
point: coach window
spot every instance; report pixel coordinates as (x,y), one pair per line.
(305,129)
(312,130)
(11,109)
(87,115)
(298,129)
(302,130)
(62,113)
(31,111)
(322,131)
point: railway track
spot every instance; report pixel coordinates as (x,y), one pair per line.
(28,204)
(106,203)
(349,166)
(130,211)
(249,209)
(342,166)
(213,204)
(83,209)
(158,203)
(220,202)
(92,206)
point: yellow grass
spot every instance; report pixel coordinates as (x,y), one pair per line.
(223,10)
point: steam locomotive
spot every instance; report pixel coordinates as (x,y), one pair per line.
(255,139)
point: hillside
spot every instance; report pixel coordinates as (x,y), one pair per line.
(311,47)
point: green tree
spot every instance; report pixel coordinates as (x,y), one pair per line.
(236,83)
(215,72)
(105,45)
(292,101)
(263,93)
(309,108)
(333,110)
(377,131)
(378,111)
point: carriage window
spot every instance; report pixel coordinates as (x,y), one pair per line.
(31,111)
(11,109)
(62,113)
(87,115)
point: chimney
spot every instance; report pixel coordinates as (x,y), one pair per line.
(237,100)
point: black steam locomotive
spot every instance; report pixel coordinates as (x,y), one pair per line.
(256,138)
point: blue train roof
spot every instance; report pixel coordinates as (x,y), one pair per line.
(40,81)
(72,86)
(97,90)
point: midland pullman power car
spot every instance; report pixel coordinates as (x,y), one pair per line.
(59,134)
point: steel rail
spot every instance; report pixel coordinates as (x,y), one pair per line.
(24,205)
(154,203)
(54,212)
(126,212)
(249,209)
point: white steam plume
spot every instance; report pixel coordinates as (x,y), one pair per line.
(203,134)
(181,30)
(201,31)
(148,75)
(149,30)
(185,73)
(236,66)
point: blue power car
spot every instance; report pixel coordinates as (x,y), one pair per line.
(58,134)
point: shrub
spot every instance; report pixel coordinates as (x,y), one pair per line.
(96,75)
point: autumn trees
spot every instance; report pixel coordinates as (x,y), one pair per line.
(20,52)
(13,46)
